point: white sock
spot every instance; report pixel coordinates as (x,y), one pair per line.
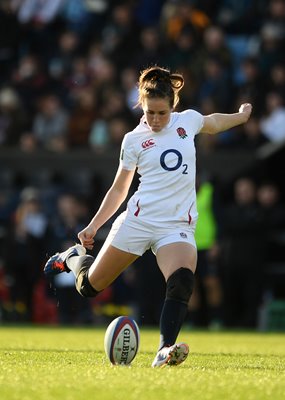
(74,264)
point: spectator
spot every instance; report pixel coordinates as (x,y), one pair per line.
(147,12)
(28,142)
(150,292)
(240,17)
(30,81)
(13,119)
(37,10)
(207,143)
(243,256)
(81,119)
(79,78)
(213,47)
(207,300)
(109,134)
(99,135)
(182,50)
(114,105)
(104,77)
(180,14)
(65,52)
(24,254)
(246,138)
(120,33)
(35,19)
(271,49)
(273,124)
(61,64)
(50,124)
(252,85)
(128,78)
(277,79)
(216,84)
(272,206)
(118,127)
(82,16)
(9,39)
(150,49)
(275,16)
(269,198)
(96,58)
(67,220)
(250,136)
(70,216)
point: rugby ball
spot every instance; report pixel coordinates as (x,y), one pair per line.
(121,340)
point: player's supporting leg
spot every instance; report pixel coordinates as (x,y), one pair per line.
(171,355)
(179,286)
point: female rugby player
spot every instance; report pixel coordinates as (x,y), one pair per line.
(161,215)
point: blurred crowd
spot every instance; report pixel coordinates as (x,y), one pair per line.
(69,68)
(68,81)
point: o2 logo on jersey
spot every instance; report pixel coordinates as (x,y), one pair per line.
(148,144)
(165,165)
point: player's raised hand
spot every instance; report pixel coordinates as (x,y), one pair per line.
(86,237)
(246,109)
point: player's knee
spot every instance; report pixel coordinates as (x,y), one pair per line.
(83,285)
(179,285)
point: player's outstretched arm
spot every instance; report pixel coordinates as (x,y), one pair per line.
(217,122)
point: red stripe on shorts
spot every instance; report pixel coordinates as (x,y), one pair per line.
(138,209)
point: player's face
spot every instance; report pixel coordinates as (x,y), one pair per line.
(157,113)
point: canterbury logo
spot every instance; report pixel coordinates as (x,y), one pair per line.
(148,143)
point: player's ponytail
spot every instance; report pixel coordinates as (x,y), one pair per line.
(157,82)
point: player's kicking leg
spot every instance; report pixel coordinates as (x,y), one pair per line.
(92,274)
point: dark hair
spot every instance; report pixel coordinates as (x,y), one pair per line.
(157,82)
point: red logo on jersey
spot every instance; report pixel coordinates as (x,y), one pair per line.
(182,133)
(148,143)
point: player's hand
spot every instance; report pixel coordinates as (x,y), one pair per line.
(86,237)
(246,109)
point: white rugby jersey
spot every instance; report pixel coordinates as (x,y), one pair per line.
(166,163)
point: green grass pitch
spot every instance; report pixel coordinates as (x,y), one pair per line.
(46,363)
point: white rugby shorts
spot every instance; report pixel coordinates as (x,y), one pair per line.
(136,237)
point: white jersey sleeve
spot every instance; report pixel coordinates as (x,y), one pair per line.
(195,120)
(128,156)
